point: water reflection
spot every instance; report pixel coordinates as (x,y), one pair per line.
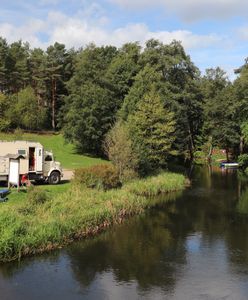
(194,248)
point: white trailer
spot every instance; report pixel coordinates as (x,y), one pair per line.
(37,163)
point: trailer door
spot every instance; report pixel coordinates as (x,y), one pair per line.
(38,159)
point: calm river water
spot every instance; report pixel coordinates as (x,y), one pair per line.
(194,248)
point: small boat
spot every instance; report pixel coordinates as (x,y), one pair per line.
(3,195)
(231,165)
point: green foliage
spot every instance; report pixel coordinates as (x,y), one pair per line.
(118,147)
(152,127)
(26,112)
(45,71)
(123,69)
(220,113)
(4,121)
(99,177)
(144,80)
(176,80)
(243,161)
(244,131)
(84,92)
(89,117)
(90,107)
(4,125)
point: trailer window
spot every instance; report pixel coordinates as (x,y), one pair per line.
(21,152)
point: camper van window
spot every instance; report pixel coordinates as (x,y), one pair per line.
(48,158)
(22,152)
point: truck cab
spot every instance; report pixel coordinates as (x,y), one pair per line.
(51,169)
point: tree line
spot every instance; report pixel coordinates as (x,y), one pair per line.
(154,95)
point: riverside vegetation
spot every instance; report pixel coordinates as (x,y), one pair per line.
(42,222)
(84,92)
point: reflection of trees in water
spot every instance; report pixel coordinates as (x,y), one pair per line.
(143,250)
(150,249)
(242,206)
(219,213)
(237,233)
(8,270)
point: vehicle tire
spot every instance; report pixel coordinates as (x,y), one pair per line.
(54,178)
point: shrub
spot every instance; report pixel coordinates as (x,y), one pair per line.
(36,196)
(246,171)
(99,177)
(199,154)
(119,149)
(243,161)
(4,125)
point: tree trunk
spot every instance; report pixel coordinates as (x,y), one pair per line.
(227,155)
(191,146)
(241,145)
(210,151)
(54,88)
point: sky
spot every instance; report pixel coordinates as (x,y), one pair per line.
(213,32)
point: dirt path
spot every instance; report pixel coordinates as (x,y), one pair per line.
(68,174)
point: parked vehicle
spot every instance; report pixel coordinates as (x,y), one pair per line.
(38,164)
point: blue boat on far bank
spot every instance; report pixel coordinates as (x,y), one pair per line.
(229,165)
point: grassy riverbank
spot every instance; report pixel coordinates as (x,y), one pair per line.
(43,222)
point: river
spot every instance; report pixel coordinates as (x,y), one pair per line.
(193,248)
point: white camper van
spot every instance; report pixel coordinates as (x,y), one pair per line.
(37,163)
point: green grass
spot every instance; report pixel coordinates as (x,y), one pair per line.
(152,186)
(64,152)
(15,197)
(28,227)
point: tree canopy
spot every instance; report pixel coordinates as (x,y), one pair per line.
(85,92)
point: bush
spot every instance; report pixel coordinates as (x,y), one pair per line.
(199,154)
(243,161)
(36,196)
(4,125)
(100,177)
(119,149)
(246,171)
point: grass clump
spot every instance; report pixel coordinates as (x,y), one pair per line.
(36,195)
(100,177)
(152,186)
(41,223)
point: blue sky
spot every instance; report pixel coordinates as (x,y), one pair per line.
(213,32)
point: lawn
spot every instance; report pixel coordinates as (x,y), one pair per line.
(64,152)
(15,197)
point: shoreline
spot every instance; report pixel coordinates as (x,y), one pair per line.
(79,213)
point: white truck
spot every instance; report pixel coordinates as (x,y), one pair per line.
(35,162)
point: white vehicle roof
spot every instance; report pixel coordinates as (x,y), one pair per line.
(12,147)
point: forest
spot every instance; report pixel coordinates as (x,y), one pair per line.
(151,102)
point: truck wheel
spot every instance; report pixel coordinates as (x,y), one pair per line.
(54,178)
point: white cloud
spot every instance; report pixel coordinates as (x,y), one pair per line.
(191,10)
(74,32)
(48,2)
(79,31)
(243,32)
(27,32)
